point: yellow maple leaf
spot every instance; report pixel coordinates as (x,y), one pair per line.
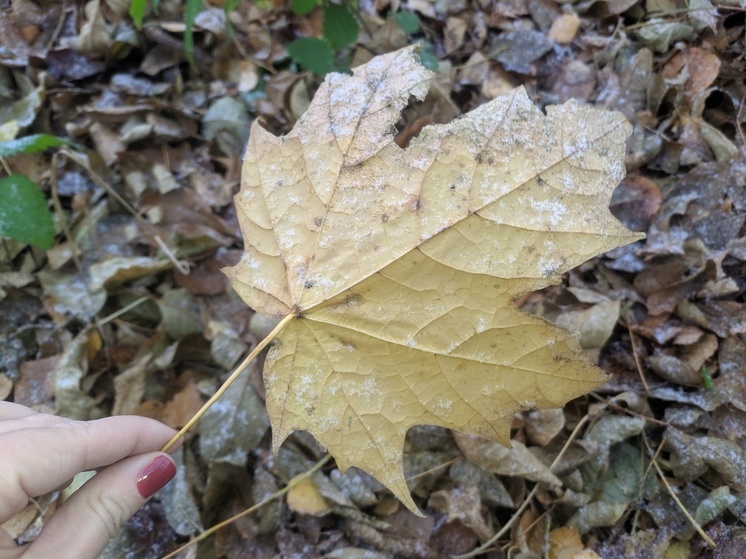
(395,269)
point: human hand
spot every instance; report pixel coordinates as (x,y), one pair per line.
(40,453)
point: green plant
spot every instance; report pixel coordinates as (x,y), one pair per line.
(341,29)
(312,54)
(192,8)
(31,144)
(24,215)
(137,11)
(316,54)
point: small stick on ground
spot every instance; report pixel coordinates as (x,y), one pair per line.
(630,321)
(487,546)
(210,531)
(681,506)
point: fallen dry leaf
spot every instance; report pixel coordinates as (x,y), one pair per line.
(565,543)
(464,505)
(542,426)
(396,268)
(182,406)
(517,460)
(305,498)
(564,29)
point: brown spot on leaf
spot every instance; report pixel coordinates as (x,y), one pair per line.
(415,204)
(347,344)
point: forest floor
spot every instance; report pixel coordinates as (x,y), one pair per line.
(129,313)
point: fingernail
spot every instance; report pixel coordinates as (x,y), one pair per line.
(154,476)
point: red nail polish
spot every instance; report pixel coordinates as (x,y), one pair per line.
(154,476)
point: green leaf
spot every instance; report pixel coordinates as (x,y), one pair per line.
(313,54)
(193,7)
(340,27)
(228,7)
(427,58)
(408,21)
(302,7)
(31,144)
(24,215)
(137,11)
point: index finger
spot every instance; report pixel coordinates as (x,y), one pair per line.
(9,410)
(39,457)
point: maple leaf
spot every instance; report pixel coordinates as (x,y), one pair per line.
(396,269)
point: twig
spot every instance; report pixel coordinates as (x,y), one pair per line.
(355,11)
(487,546)
(101,183)
(490,55)
(738,119)
(60,25)
(681,506)
(629,320)
(276,495)
(8,172)
(63,222)
(689,517)
(431,470)
(116,314)
(628,411)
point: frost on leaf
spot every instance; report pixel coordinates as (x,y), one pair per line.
(400,265)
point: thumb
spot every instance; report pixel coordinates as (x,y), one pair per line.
(96,512)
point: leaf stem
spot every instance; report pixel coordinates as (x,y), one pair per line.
(230,380)
(292,483)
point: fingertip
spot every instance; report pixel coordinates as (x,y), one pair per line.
(95,513)
(155,475)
